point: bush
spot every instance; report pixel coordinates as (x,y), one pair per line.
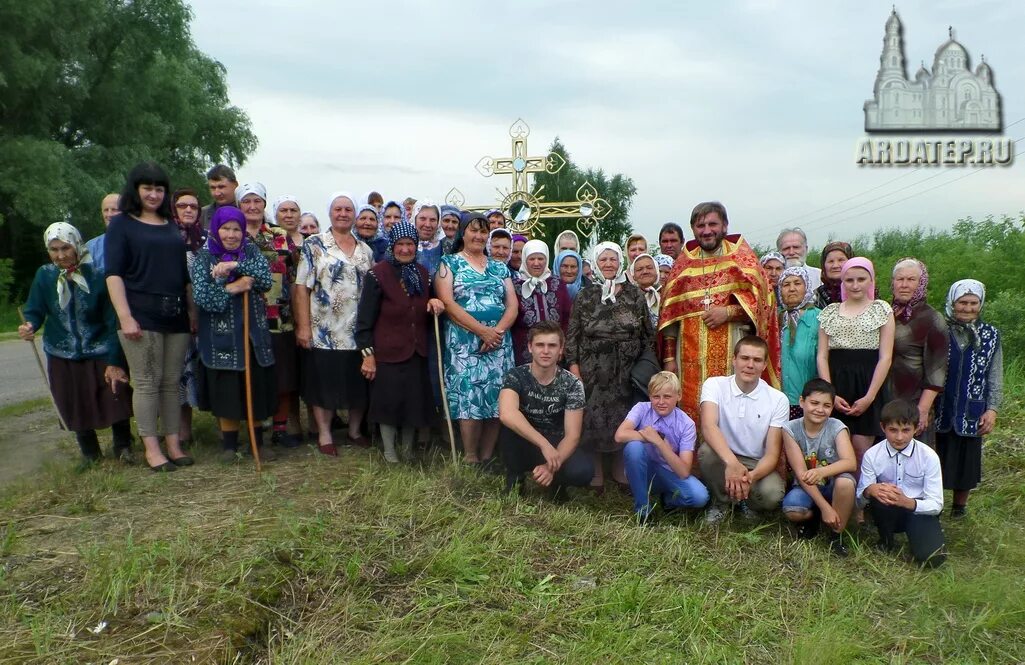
(1006,311)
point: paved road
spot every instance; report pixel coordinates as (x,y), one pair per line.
(19,375)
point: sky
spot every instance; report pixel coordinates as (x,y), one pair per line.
(755,103)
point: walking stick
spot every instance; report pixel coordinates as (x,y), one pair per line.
(42,371)
(444,395)
(249,381)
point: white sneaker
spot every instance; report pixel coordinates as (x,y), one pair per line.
(714,515)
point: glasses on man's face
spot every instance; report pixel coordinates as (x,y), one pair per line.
(187,206)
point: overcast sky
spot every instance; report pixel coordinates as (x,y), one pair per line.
(757,104)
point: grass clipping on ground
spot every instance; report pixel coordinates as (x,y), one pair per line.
(321,560)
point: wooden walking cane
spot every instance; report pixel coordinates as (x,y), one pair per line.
(444,395)
(249,381)
(42,371)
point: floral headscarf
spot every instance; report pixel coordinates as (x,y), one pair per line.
(792,315)
(408,272)
(664,261)
(904,311)
(530,283)
(832,286)
(66,276)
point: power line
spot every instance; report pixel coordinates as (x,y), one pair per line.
(912,171)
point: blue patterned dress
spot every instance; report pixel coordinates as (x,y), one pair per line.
(473,379)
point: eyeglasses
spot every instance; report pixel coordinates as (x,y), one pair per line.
(187,206)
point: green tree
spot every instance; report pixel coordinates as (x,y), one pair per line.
(88,88)
(618,190)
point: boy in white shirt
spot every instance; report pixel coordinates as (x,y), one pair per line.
(901,481)
(741,422)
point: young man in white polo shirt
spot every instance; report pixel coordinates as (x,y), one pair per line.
(742,419)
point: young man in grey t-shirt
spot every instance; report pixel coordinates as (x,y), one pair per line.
(541,407)
(820,453)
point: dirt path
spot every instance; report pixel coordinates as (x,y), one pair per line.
(28,440)
(19,374)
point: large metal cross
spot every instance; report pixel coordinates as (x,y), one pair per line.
(589,208)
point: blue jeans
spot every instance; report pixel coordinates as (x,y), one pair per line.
(648,476)
(797,500)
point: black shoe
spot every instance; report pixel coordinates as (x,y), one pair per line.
(558,494)
(808,529)
(166,467)
(511,481)
(285,440)
(184,460)
(887,545)
(958,510)
(492,465)
(837,547)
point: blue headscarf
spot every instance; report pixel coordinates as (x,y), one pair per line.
(574,287)
(409,272)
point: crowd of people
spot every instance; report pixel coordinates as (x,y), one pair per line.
(697,375)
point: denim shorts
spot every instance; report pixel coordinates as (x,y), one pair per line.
(797,500)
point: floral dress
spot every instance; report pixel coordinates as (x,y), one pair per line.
(335,281)
(472,378)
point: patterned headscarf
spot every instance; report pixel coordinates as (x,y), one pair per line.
(772,256)
(904,311)
(222,216)
(529,281)
(958,290)
(608,286)
(574,286)
(651,294)
(792,315)
(380,216)
(858,262)
(359,211)
(833,286)
(499,232)
(408,272)
(66,276)
(664,261)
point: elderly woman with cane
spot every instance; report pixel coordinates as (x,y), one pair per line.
(228,268)
(392,326)
(84,360)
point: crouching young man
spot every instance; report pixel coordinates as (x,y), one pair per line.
(741,422)
(902,482)
(541,408)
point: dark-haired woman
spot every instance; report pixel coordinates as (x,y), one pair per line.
(84,361)
(148,282)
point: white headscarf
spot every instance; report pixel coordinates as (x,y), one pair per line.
(67,233)
(651,295)
(284,199)
(251,188)
(576,241)
(529,281)
(352,200)
(962,288)
(608,286)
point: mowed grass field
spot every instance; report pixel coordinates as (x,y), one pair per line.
(324,561)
